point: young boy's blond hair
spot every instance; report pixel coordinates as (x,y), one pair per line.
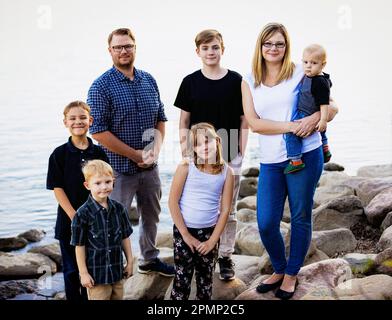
(206,36)
(96,167)
(76,104)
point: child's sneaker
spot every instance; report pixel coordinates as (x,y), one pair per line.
(294,166)
(327,156)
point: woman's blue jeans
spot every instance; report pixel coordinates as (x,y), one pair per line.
(273,188)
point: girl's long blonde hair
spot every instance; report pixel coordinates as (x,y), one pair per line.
(208,130)
(258,62)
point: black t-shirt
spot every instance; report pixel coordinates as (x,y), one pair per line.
(65,171)
(218,102)
(321,85)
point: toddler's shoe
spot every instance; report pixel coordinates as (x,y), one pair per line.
(294,167)
(327,156)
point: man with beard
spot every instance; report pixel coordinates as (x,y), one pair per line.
(129,123)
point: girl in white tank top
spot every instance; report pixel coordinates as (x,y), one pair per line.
(199,203)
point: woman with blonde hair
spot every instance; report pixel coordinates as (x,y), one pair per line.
(270,95)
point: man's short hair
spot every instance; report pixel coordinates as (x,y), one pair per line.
(121,32)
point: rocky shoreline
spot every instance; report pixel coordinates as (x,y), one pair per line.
(350,256)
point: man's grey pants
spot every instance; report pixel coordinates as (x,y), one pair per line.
(146,185)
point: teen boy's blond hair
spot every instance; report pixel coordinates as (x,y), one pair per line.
(96,167)
(206,36)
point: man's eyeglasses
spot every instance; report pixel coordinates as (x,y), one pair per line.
(278,45)
(127,47)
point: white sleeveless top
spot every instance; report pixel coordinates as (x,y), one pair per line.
(276,103)
(200,199)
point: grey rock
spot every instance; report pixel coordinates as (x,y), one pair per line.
(375,171)
(14,243)
(384,262)
(366,189)
(361,263)
(334,241)
(27,265)
(385,241)
(248,187)
(387,222)
(251,172)
(379,207)
(330,166)
(246,215)
(52,251)
(248,202)
(33,235)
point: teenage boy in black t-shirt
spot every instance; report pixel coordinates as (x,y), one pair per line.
(213,95)
(66,179)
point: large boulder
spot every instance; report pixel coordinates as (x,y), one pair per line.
(33,235)
(28,265)
(342,212)
(149,286)
(246,215)
(321,276)
(383,262)
(248,187)
(326,193)
(52,251)
(165,239)
(10,289)
(375,171)
(375,287)
(334,241)
(360,263)
(366,189)
(248,203)
(247,268)
(248,241)
(387,222)
(379,207)
(133,214)
(385,241)
(333,178)
(14,243)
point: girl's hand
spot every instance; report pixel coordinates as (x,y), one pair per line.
(86,280)
(191,242)
(307,125)
(205,247)
(128,270)
(321,126)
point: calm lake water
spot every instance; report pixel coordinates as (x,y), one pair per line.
(51,54)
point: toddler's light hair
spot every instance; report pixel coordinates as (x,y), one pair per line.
(318,49)
(76,104)
(96,167)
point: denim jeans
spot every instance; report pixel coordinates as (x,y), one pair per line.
(273,188)
(73,288)
(294,143)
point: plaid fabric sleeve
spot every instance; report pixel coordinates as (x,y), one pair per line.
(126,227)
(100,108)
(79,229)
(161,111)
